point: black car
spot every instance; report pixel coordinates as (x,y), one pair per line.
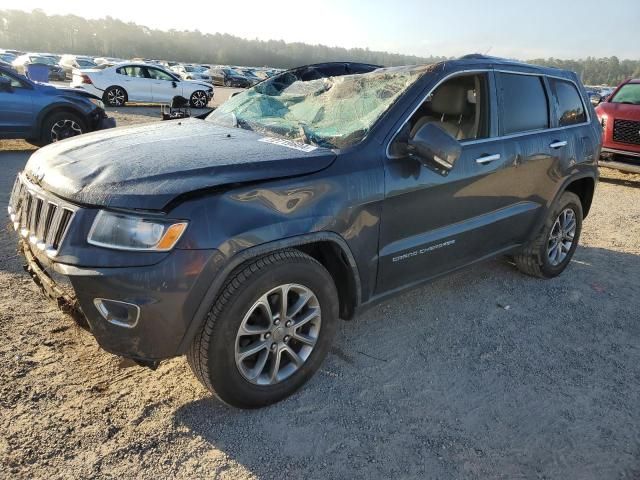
(240,239)
(228,77)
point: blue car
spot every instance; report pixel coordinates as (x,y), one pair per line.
(42,114)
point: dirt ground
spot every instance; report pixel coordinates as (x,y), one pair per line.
(483,374)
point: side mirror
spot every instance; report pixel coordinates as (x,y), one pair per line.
(175,85)
(5,85)
(432,144)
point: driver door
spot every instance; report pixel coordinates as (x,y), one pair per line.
(436,219)
(163,86)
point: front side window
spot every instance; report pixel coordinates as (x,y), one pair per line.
(15,83)
(319,109)
(157,74)
(569,107)
(524,103)
(459,106)
(629,93)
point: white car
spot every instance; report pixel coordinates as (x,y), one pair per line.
(191,72)
(140,82)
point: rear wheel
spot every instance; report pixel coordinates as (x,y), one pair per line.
(198,99)
(268,331)
(115,96)
(551,251)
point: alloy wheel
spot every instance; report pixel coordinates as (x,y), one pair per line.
(65,129)
(278,334)
(199,99)
(115,97)
(561,237)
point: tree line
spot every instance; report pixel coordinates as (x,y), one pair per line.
(37,31)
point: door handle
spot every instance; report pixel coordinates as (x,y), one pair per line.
(488,159)
(558,144)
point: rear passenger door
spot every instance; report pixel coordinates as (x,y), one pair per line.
(537,148)
(571,120)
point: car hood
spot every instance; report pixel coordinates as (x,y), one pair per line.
(147,166)
(620,110)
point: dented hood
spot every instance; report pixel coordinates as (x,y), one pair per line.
(147,166)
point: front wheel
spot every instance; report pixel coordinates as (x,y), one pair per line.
(58,126)
(268,331)
(198,99)
(551,251)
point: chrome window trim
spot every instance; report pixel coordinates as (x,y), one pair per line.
(498,137)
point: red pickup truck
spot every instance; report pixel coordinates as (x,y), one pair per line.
(619,116)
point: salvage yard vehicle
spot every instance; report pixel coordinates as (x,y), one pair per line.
(620,119)
(140,82)
(20,64)
(228,77)
(42,113)
(241,239)
(71,62)
(191,72)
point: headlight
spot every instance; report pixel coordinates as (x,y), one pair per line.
(603,120)
(97,103)
(128,232)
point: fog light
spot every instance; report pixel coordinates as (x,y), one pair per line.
(118,313)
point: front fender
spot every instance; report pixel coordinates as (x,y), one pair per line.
(218,280)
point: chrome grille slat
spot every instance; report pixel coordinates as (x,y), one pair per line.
(41,219)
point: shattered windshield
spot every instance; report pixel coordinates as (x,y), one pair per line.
(333,112)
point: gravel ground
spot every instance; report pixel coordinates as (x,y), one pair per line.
(483,374)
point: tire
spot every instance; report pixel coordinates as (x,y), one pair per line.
(226,83)
(115,96)
(59,125)
(539,258)
(213,355)
(198,99)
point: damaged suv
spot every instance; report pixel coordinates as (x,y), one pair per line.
(241,238)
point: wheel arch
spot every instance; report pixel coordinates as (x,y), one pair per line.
(584,188)
(328,248)
(57,108)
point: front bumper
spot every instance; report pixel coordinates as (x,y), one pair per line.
(620,159)
(166,295)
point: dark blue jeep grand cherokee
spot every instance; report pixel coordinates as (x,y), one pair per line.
(240,239)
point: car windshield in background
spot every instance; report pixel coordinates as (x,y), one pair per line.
(333,112)
(42,60)
(86,64)
(629,93)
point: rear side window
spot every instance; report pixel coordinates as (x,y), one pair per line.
(569,107)
(524,103)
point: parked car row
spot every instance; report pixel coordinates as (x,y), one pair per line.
(61,67)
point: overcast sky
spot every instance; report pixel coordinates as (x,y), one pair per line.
(512,28)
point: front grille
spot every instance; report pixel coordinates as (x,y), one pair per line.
(626,131)
(42,219)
